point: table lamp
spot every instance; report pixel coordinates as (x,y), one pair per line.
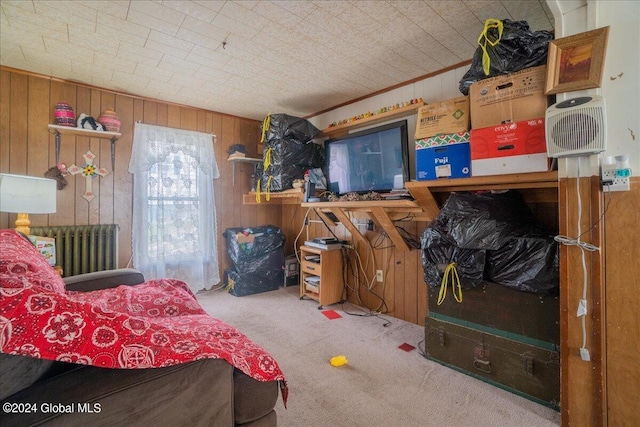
(26,195)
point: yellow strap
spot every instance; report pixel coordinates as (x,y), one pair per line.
(258,191)
(456,289)
(265,125)
(483,40)
(268,192)
(267,159)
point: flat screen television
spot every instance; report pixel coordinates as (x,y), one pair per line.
(375,159)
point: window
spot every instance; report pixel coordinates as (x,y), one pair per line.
(174,220)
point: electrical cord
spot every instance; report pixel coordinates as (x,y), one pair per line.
(583,246)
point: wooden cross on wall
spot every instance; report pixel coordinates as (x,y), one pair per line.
(89,171)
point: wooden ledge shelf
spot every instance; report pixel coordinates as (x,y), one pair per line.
(68,130)
(334,131)
(382,212)
(540,186)
(287,197)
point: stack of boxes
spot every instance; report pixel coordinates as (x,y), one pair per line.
(442,140)
(507,129)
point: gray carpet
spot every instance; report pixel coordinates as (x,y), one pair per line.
(381,385)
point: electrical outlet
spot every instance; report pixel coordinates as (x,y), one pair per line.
(612,182)
(379,276)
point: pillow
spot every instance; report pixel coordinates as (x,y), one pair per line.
(19,372)
(21,260)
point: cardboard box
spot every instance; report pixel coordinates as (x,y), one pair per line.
(46,246)
(443,156)
(444,117)
(509,148)
(510,98)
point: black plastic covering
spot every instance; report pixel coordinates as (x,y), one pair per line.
(257,254)
(438,252)
(493,237)
(288,143)
(284,126)
(483,220)
(519,48)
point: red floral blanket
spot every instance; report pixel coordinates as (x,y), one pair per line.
(154,324)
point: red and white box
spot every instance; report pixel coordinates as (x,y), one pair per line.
(509,148)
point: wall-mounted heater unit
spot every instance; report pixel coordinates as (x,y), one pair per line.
(576,127)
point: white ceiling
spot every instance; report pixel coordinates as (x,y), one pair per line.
(249,58)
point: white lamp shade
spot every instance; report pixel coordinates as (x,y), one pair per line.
(27,194)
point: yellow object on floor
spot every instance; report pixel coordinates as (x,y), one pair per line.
(338,361)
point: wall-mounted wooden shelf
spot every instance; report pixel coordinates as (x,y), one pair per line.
(382,212)
(334,131)
(288,197)
(540,186)
(235,160)
(67,130)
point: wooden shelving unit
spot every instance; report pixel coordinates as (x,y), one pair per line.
(334,131)
(327,268)
(540,186)
(382,212)
(67,130)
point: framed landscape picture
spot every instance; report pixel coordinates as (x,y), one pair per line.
(576,62)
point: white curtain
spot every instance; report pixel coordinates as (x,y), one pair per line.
(174,215)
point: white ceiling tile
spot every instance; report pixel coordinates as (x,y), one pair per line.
(115,8)
(214,5)
(121,29)
(192,9)
(176,44)
(151,22)
(277,14)
(240,13)
(234,26)
(66,11)
(297,57)
(299,8)
(204,56)
(162,14)
(138,53)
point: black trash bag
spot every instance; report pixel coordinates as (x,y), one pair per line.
(288,152)
(528,262)
(281,177)
(241,284)
(483,220)
(518,48)
(256,249)
(438,252)
(283,126)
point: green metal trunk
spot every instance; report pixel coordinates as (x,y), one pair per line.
(522,368)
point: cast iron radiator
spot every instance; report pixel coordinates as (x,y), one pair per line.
(83,248)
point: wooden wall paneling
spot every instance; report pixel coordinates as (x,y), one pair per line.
(162,115)
(18,125)
(399,290)
(412,284)
(226,213)
(95,145)
(38,135)
(125,108)
(582,385)
(66,208)
(150,115)
(82,145)
(623,299)
(5,131)
(107,101)
(173,116)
